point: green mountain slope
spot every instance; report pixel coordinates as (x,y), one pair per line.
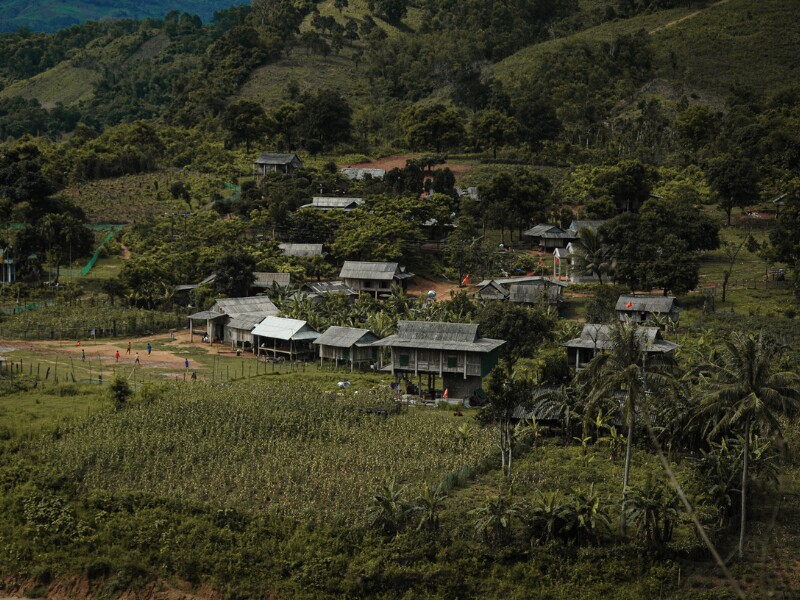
(733,42)
(52,15)
(751,44)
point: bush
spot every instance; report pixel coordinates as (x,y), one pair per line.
(120,392)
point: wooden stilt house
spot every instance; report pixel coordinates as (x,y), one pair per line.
(347,345)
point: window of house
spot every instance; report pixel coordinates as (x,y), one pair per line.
(367,283)
(452,361)
(404,360)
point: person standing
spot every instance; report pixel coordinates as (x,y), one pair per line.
(129,348)
(136,362)
(186,362)
(83,355)
(116,355)
(149,348)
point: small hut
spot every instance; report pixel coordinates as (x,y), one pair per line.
(347,345)
(284,338)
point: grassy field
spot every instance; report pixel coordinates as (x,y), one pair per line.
(63,83)
(133,198)
(718,48)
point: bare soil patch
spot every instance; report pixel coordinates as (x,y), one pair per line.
(399,161)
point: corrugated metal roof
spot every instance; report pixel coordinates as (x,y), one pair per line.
(205,315)
(301,250)
(359,173)
(190,286)
(439,336)
(345,337)
(282,328)
(328,287)
(503,281)
(272,158)
(334,202)
(655,304)
(531,293)
(542,229)
(491,290)
(265,280)
(245,322)
(599,337)
(382,271)
(235,307)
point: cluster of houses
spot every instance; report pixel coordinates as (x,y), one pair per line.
(450,354)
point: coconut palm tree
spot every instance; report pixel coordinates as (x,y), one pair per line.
(590,255)
(627,374)
(746,389)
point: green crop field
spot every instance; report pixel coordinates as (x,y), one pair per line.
(285,447)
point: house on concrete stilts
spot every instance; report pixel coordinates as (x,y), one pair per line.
(453,352)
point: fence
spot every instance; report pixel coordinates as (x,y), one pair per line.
(25,307)
(96,255)
(95,329)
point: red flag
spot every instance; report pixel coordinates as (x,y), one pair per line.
(446,394)
(465,281)
(629,304)
(556,260)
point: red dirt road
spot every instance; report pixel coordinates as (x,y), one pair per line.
(399,161)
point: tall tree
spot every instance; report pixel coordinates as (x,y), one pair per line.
(432,127)
(245,121)
(747,390)
(234,274)
(735,181)
(492,129)
(627,371)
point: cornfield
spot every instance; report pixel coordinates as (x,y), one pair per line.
(277,446)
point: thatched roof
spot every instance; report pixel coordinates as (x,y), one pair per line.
(653,304)
(345,337)
(439,336)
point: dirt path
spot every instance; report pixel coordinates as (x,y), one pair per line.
(398,161)
(686,17)
(422,285)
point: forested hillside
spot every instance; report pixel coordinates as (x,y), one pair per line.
(52,15)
